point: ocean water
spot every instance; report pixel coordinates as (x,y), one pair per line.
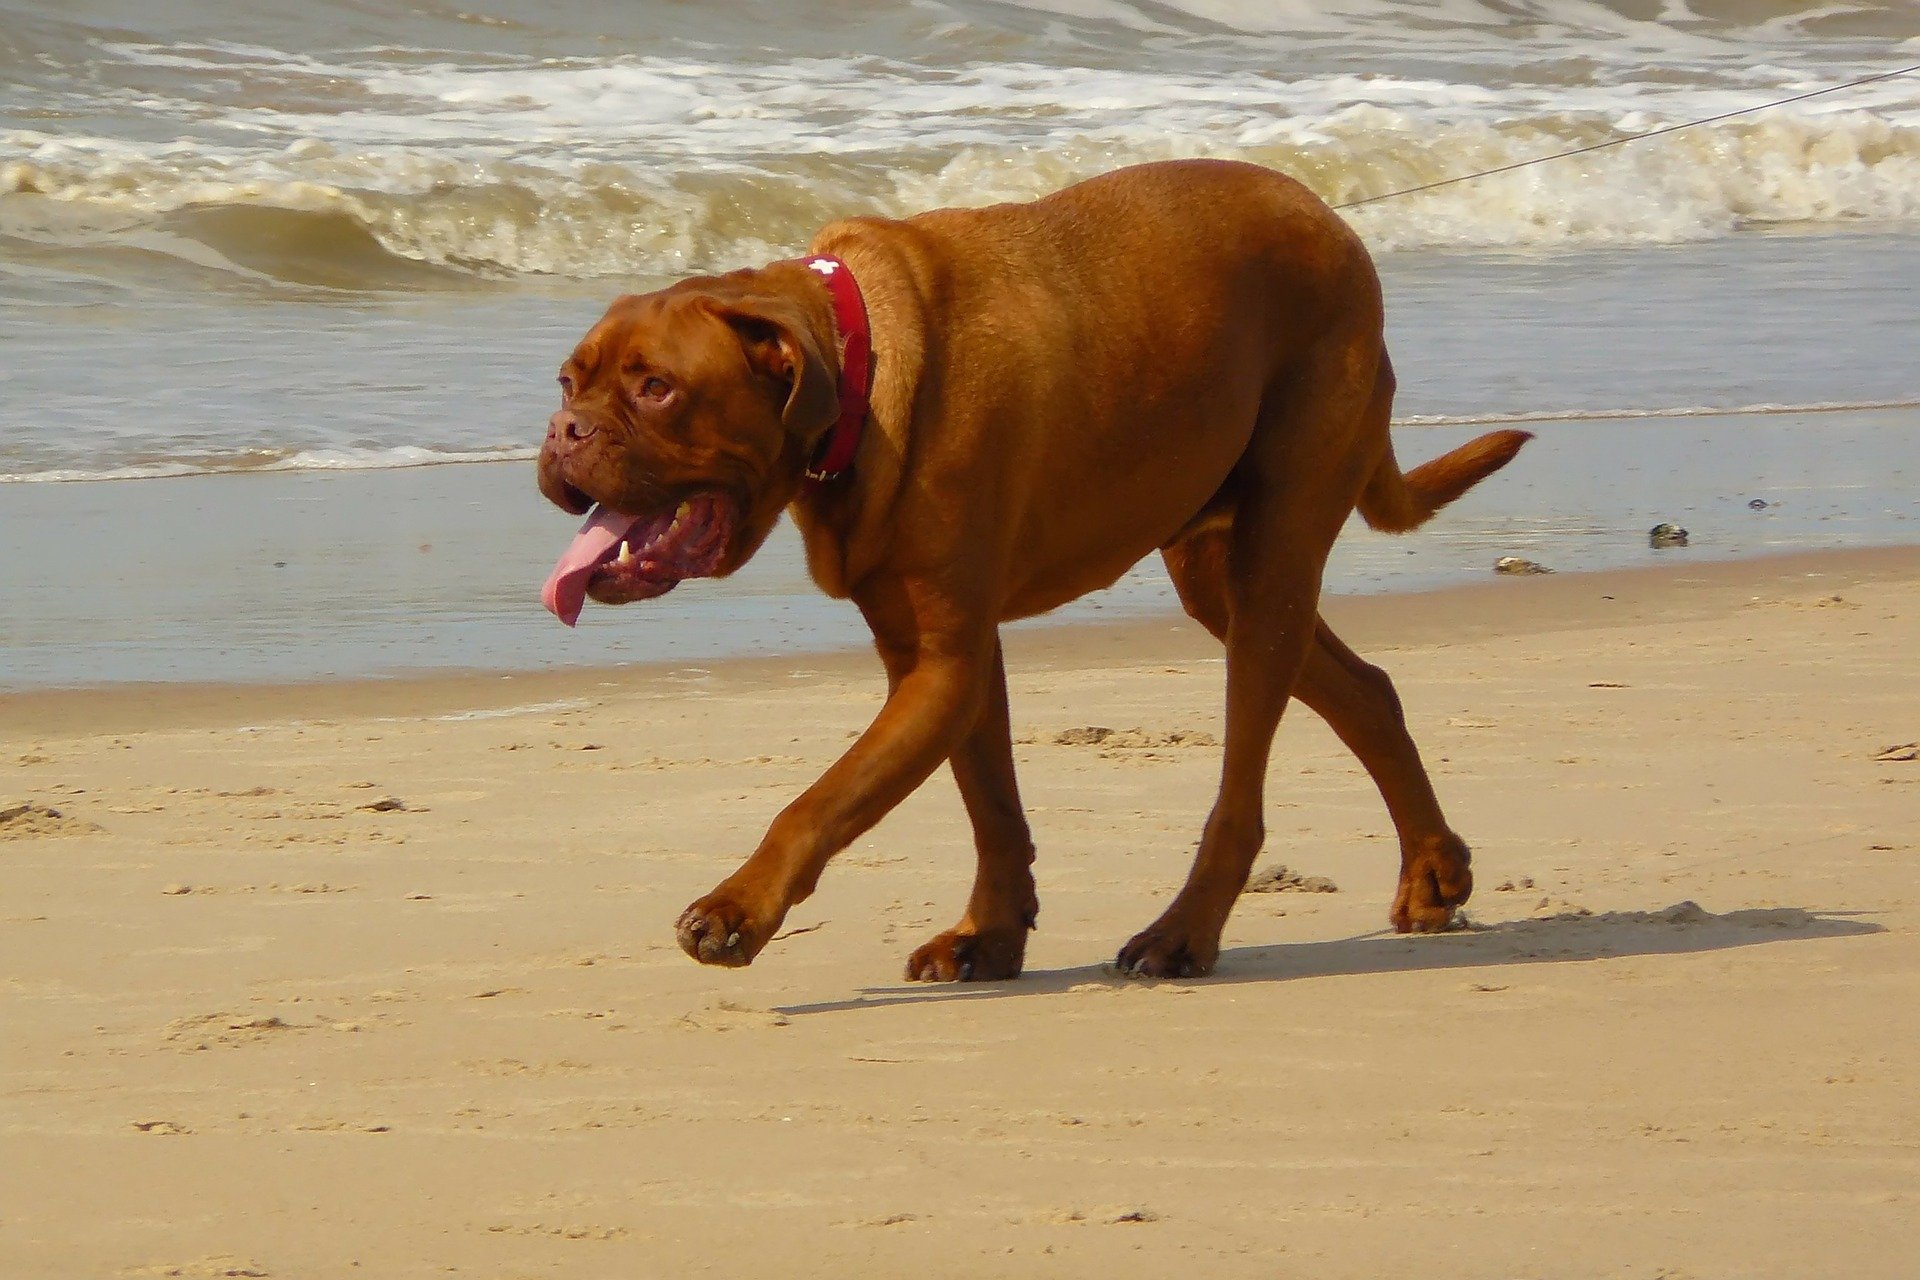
(320,238)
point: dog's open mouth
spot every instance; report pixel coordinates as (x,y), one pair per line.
(617,558)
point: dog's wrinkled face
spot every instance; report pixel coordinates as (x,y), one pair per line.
(683,425)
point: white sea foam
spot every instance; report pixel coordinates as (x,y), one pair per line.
(340,459)
(1677,27)
(1627,415)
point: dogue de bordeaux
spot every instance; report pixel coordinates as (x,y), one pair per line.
(976,415)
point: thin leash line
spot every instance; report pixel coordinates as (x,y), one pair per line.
(1632,137)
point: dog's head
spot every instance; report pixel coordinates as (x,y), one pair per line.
(686,417)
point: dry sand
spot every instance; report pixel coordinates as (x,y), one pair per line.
(258,1023)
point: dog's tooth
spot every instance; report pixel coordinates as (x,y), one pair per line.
(626,553)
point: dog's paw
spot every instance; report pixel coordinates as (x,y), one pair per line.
(1434,879)
(1168,950)
(992,955)
(717,930)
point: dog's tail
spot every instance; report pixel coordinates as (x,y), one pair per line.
(1395,503)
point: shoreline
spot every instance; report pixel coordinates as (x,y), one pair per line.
(321,461)
(1374,622)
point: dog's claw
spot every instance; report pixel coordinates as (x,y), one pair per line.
(991,955)
(1164,951)
(1436,877)
(715,931)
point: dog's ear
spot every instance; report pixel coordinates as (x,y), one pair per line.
(780,347)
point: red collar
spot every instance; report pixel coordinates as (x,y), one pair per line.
(837,448)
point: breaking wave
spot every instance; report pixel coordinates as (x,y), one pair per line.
(424,166)
(315,215)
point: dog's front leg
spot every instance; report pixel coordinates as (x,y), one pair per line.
(935,695)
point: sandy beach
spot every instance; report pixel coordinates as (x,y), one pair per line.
(378,979)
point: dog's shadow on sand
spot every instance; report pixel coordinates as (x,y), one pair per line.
(1678,930)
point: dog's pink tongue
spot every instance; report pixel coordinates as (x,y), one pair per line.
(566,589)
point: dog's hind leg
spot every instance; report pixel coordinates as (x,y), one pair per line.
(1359,703)
(990,942)
(1355,698)
(1303,469)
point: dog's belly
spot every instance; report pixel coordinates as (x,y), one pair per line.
(1049,591)
(1111,507)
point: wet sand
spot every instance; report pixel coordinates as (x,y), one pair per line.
(378,978)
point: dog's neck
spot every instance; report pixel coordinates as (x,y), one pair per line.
(834,457)
(843,523)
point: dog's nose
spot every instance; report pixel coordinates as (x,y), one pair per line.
(566,425)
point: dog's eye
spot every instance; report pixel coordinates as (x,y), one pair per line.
(566,388)
(656,390)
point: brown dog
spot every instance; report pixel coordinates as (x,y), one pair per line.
(1184,357)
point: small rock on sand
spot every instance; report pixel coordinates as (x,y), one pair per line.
(24,821)
(1094,735)
(1281,879)
(1518,565)
(1666,535)
(160,1126)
